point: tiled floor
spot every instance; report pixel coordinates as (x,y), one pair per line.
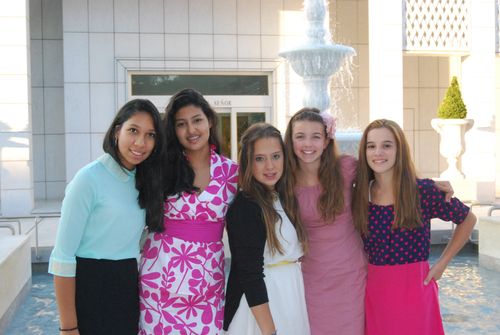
(470,300)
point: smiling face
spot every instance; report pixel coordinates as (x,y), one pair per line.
(267,161)
(381,151)
(309,141)
(136,139)
(192,128)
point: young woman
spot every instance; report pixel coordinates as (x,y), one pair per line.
(265,292)
(393,209)
(94,261)
(334,267)
(182,267)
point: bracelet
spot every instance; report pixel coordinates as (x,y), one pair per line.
(67,329)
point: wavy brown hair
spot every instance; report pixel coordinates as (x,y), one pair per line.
(178,174)
(404,182)
(331,199)
(253,189)
(149,172)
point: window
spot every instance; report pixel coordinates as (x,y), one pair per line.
(230,136)
(168,84)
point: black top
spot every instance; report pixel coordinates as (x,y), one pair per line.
(247,239)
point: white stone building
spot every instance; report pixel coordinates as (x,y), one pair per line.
(68,65)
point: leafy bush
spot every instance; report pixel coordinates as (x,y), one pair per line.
(452,106)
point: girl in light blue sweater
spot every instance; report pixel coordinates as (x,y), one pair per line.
(94,261)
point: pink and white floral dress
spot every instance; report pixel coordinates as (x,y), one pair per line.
(182,268)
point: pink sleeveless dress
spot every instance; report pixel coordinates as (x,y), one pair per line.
(182,269)
(334,268)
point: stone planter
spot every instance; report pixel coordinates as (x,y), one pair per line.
(452,144)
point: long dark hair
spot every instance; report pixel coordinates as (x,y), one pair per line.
(149,172)
(179,175)
(404,182)
(253,189)
(331,199)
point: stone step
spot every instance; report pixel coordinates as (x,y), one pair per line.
(15,274)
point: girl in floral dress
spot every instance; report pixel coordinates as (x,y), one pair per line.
(182,267)
(392,210)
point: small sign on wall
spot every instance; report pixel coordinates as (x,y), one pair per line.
(222,103)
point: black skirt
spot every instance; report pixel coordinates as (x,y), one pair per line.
(107,296)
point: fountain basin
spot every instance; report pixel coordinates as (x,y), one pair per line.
(348,141)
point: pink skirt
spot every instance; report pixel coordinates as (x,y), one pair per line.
(397,301)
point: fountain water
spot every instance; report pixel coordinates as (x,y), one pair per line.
(316,61)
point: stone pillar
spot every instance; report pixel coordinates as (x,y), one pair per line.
(386,59)
(16,182)
(478,90)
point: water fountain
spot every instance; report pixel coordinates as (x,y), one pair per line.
(316,61)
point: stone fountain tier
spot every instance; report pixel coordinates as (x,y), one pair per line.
(316,63)
(317,59)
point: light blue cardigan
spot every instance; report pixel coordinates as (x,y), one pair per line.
(100,217)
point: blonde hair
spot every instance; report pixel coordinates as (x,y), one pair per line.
(404,182)
(331,199)
(261,194)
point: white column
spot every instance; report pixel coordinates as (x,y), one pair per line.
(16,181)
(386,59)
(478,88)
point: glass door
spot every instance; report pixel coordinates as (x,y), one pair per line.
(232,124)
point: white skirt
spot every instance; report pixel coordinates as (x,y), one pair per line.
(285,290)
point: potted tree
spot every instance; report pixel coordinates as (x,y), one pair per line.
(452,125)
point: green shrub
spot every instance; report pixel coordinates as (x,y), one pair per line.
(452,106)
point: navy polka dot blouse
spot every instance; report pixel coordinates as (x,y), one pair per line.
(387,246)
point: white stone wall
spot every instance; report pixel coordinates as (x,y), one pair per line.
(47,92)
(349,25)
(426,80)
(478,76)
(386,60)
(16,180)
(104,39)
